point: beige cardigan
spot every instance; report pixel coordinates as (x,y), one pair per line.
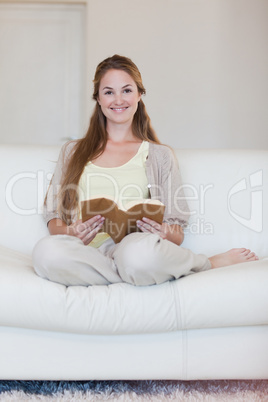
(164,183)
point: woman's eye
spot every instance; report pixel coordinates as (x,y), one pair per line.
(108,93)
(127,91)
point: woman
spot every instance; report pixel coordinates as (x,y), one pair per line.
(121,158)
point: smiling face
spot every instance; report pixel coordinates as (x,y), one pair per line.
(118,97)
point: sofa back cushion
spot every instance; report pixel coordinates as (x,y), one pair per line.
(228,197)
(24,178)
(227,191)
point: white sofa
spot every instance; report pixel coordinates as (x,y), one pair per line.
(210,325)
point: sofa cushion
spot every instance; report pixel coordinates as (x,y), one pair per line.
(216,298)
(24,177)
(224,194)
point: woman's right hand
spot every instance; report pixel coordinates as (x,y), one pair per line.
(86,231)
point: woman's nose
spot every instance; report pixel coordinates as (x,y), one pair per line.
(119,99)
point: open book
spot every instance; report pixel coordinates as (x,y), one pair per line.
(118,223)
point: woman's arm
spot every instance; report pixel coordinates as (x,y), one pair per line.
(85,231)
(57,227)
(173,233)
(166,186)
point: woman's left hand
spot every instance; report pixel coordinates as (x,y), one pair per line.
(149,226)
(173,233)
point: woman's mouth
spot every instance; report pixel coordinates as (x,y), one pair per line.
(119,109)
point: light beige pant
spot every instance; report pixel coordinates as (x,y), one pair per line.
(139,259)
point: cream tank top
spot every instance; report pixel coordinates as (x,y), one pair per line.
(122,184)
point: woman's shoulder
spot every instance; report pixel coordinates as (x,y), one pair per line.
(161,152)
(68,148)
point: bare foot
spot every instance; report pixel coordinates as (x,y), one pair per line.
(231,257)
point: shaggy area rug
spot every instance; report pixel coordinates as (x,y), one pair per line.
(192,391)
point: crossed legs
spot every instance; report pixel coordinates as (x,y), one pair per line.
(139,259)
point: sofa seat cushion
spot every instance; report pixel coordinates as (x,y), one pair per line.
(225,297)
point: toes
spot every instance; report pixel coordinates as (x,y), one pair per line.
(251,255)
(246,252)
(236,252)
(243,254)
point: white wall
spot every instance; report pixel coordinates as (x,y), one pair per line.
(204,64)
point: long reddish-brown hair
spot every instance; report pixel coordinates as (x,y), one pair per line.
(94,142)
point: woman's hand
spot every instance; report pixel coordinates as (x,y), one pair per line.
(173,233)
(149,226)
(86,231)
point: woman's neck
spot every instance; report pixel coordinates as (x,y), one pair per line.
(120,133)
